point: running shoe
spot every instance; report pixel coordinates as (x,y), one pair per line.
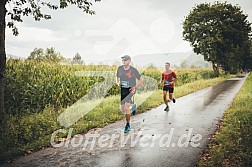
(127,128)
(167,108)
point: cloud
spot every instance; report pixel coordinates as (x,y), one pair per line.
(151,26)
(33,34)
(162,29)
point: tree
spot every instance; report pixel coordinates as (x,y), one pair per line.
(18,9)
(246,62)
(52,56)
(219,32)
(193,66)
(37,54)
(77,59)
(183,64)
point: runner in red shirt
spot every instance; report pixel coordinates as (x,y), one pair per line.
(168,79)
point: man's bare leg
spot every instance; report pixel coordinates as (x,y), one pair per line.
(165,100)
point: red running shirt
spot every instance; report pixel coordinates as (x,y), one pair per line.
(169,76)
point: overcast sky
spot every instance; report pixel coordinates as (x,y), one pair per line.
(119,27)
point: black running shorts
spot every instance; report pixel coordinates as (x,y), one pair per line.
(165,88)
(126,95)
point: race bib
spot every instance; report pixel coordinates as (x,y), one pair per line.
(167,83)
(125,84)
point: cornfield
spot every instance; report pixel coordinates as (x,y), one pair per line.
(32,86)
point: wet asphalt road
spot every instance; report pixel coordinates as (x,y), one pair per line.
(157,138)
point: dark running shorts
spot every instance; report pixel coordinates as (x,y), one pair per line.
(126,95)
(168,89)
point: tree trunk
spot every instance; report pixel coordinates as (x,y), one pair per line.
(2,56)
(216,69)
